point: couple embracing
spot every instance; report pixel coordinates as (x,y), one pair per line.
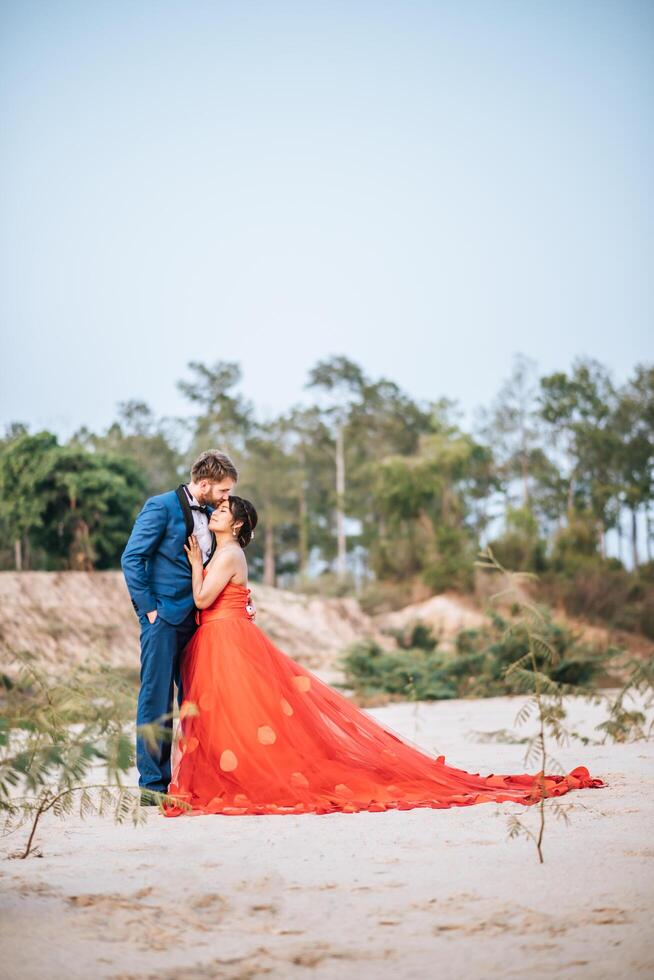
(258,733)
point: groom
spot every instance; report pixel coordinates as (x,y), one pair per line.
(158,578)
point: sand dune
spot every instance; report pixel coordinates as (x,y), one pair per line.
(77,617)
(446,614)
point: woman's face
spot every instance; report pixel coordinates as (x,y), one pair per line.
(221,519)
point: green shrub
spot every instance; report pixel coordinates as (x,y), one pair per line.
(418,636)
(574,545)
(417,674)
(476,667)
(65,745)
(521,547)
(514,550)
(452,565)
(560,654)
(603,591)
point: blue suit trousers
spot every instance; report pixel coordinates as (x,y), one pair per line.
(162,644)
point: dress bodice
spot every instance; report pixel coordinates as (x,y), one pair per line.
(228,604)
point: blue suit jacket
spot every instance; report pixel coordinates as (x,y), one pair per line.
(155,566)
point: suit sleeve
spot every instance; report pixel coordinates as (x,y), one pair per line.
(149,528)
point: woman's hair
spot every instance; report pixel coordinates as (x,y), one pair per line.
(243,510)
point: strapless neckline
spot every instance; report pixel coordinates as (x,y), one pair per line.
(228,604)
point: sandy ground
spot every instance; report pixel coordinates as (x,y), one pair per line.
(422,893)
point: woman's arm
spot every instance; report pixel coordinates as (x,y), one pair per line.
(220,571)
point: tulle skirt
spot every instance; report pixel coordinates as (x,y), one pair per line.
(259,734)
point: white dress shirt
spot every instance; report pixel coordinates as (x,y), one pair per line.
(200,527)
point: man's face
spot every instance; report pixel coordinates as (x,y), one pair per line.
(213,494)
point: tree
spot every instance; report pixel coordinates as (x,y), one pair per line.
(427,505)
(224,419)
(22,481)
(384,422)
(511,425)
(309,442)
(342,381)
(580,410)
(635,449)
(139,436)
(267,477)
(72,506)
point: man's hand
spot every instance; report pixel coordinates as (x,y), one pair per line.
(251,610)
(152,616)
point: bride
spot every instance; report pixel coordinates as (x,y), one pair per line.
(259,734)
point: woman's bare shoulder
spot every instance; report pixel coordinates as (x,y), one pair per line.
(230,558)
(240,568)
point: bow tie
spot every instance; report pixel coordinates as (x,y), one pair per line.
(202,509)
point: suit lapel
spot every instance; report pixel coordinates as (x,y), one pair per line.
(186,509)
(188,518)
(213,539)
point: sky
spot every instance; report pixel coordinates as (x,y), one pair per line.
(427,188)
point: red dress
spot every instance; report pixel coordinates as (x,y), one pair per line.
(260,734)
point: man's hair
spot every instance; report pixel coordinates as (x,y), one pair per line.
(214,466)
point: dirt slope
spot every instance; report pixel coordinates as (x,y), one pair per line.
(447,615)
(71,617)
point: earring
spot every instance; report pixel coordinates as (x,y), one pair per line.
(235,533)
